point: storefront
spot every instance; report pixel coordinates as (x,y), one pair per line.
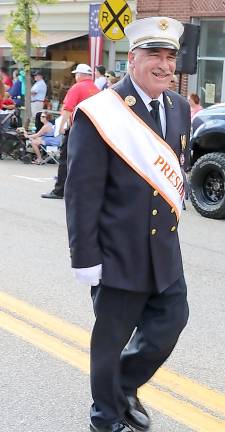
(209,81)
(211,62)
(56,55)
(63,44)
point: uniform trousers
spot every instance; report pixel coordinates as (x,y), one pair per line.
(150,323)
(62,168)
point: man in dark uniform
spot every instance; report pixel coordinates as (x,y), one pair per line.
(123,199)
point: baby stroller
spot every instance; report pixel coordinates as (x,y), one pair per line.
(10,142)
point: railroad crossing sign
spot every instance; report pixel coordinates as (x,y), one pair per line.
(114,16)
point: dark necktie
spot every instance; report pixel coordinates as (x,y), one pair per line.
(155,115)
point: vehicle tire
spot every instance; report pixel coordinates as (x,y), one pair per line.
(207,185)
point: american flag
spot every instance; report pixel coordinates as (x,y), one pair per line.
(95,37)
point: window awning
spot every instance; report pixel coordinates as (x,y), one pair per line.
(46,39)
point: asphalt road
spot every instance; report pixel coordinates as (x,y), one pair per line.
(44,352)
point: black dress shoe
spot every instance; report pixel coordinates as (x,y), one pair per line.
(136,415)
(51,195)
(123,426)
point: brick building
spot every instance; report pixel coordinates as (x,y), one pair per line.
(209,81)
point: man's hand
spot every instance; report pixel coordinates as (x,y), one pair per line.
(90,275)
(65,120)
(61,130)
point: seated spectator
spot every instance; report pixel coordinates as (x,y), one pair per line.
(45,136)
(194,102)
(100,79)
(112,80)
(110,73)
(16,90)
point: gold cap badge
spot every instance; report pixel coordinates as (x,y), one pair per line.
(163,24)
(130,100)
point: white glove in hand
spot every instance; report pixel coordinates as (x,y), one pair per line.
(89,275)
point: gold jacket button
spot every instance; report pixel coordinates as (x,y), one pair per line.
(154,231)
(155,193)
(172,210)
(173,228)
(154,212)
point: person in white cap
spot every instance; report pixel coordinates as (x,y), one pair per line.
(123,195)
(82,89)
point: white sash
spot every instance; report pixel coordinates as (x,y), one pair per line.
(137,144)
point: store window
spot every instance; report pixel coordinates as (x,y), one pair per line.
(211,62)
(212,38)
(210,81)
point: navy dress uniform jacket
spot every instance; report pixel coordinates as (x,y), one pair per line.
(114,217)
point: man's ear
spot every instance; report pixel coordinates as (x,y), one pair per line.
(131,59)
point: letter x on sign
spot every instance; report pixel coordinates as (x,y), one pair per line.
(114,16)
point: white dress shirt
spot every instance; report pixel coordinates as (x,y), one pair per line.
(147,99)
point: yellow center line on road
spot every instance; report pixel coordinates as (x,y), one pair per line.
(181,411)
(50,322)
(185,387)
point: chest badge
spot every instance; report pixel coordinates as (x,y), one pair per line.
(130,100)
(183,141)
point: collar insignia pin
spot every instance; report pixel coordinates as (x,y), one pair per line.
(183,140)
(130,100)
(170,102)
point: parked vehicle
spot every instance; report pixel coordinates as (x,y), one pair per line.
(207,178)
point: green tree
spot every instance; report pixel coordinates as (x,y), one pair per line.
(19,33)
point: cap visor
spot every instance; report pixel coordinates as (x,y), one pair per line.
(167,45)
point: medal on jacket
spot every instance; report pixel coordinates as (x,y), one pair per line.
(130,100)
(183,141)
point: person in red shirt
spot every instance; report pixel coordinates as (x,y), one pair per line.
(194,101)
(6,79)
(7,103)
(81,90)
(5,100)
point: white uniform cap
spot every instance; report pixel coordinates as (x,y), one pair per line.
(83,68)
(154,32)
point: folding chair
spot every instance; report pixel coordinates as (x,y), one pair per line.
(51,153)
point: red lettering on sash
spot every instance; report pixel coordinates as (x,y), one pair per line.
(165,168)
(160,160)
(170,174)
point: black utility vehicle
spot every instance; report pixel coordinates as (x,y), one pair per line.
(207,178)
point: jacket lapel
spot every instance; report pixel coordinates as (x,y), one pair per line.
(125,88)
(171,112)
